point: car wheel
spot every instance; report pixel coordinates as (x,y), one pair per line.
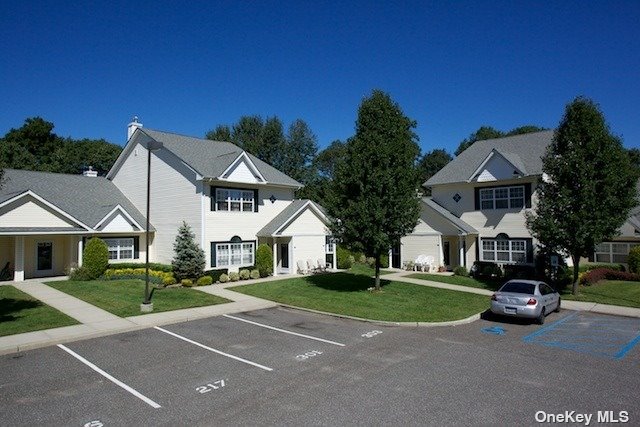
(540,318)
(557,310)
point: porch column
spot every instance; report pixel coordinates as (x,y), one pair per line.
(335,256)
(461,250)
(275,257)
(441,251)
(390,256)
(80,252)
(18,259)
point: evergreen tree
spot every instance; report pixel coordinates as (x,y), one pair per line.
(248,133)
(301,150)
(220,133)
(373,200)
(188,261)
(431,163)
(590,187)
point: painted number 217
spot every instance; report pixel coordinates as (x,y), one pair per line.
(216,385)
(308,354)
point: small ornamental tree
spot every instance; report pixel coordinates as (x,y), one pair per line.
(373,200)
(264,260)
(633,261)
(95,258)
(188,261)
(589,189)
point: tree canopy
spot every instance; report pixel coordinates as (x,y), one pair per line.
(431,163)
(488,132)
(373,199)
(34,146)
(590,189)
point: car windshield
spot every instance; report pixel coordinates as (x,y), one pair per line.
(519,288)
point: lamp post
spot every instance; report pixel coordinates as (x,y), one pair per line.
(147,305)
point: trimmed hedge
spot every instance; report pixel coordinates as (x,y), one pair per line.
(157,277)
(215,274)
(588,266)
(204,281)
(167,268)
(95,258)
(633,260)
(264,261)
(460,271)
(594,276)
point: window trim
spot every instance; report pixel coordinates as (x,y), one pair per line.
(610,253)
(136,243)
(234,241)
(494,199)
(510,251)
(213,195)
(121,248)
(526,196)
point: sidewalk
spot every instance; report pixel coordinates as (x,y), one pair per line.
(96,322)
(569,305)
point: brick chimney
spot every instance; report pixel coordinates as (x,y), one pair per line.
(132,127)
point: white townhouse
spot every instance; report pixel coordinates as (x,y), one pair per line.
(232,200)
(478,203)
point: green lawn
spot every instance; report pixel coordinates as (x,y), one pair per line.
(347,294)
(490,285)
(614,292)
(123,297)
(365,270)
(20,313)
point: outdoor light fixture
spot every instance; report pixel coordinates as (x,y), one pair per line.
(147,305)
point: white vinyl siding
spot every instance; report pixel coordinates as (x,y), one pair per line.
(120,249)
(30,212)
(502,198)
(504,251)
(613,252)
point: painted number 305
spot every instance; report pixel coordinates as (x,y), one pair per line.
(216,385)
(308,354)
(371,334)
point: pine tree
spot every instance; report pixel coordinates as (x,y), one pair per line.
(188,261)
(590,187)
(373,196)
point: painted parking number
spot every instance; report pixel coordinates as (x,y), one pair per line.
(371,334)
(308,354)
(216,385)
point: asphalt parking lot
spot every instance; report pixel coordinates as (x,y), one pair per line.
(288,367)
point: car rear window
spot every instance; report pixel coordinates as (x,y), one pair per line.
(519,288)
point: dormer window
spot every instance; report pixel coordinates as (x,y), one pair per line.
(234,200)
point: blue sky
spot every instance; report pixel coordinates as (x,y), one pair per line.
(185,67)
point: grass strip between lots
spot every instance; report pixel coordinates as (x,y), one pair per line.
(123,297)
(348,294)
(20,312)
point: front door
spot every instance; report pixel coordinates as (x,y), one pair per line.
(446,252)
(284,255)
(395,256)
(44,257)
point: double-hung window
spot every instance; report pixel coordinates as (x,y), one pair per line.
(228,199)
(120,249)
(234,254)
(613,252)
(502,198)
(504,250)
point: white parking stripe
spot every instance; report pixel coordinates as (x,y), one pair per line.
(283,330)
(111,378)
(257,365)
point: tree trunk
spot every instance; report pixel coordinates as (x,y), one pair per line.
(576,271)
(377,271)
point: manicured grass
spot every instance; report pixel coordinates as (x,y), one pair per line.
(365,270)
(123,297)
(614,292)
(459,280)
(347,294)
(20,313)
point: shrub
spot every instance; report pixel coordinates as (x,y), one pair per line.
(485,270)
(244,274)
(460,271)
(371,262)
(234,277)
(633,261)
(384,261)
(362,259)
(264,260)
(188,260)
(588,266)
(594,276)
(345,259)
(169,280)
(520,271)
(186,282)
(255,274)
(409,265)
(95,258)
(80,274)
(224,278)
(215,274)
(204,281)
(167,268)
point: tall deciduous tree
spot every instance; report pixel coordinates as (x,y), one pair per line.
(373,201)
(431,163)
(247,133)
(590,187)
(488,132)
(273,149)
(220,133)
(301,150)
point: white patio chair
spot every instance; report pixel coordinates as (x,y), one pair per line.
(429,263)
(311,266)
(420,263)
(302,268)
(322,265)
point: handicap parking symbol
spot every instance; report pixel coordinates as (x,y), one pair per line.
(494,330)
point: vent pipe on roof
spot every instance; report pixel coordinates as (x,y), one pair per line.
(90,172)
(132,127)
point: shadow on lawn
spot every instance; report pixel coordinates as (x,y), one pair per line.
(8,306)
(344,282)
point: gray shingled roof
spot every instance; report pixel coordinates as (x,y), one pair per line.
(88,199)
(40,229)
(524,151)
(449,216)
(284,216)
(211,158)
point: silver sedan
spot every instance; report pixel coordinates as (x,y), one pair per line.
(525,298)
